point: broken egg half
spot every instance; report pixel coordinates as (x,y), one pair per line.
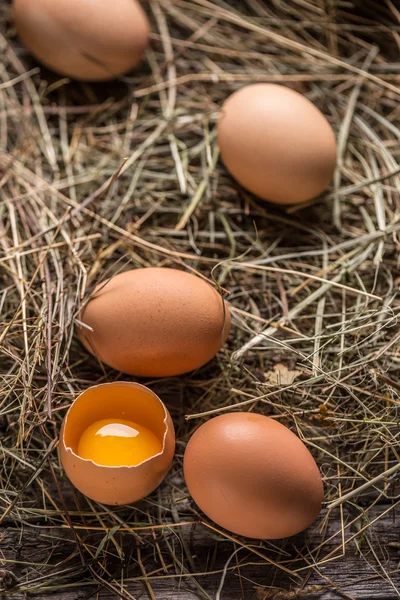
(117,442)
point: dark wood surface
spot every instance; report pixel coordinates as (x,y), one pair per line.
(359,573)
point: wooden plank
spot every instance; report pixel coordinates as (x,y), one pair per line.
(355,575)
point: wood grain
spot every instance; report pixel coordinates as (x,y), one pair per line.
(353,575)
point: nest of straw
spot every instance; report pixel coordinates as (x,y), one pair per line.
(314,294)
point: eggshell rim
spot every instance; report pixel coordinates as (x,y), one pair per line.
(119,383)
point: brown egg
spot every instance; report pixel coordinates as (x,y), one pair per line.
(253,476)
(155,322)
(91,40)
(137,457)
(276,143)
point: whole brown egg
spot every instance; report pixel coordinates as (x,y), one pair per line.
(155,322)
(276,143)
(91,40)
(253,476)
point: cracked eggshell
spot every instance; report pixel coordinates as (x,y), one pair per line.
(116,485)
(90,40)
(155,322)
(253,476)
(276,143)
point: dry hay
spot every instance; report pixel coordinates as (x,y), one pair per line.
(313,292)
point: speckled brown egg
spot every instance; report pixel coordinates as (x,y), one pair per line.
(117,442)
(276,143)
(91,40)
(253,476)
(155,322)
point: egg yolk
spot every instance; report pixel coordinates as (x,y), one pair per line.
(117,442)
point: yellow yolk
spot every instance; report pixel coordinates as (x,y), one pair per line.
(117,442)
